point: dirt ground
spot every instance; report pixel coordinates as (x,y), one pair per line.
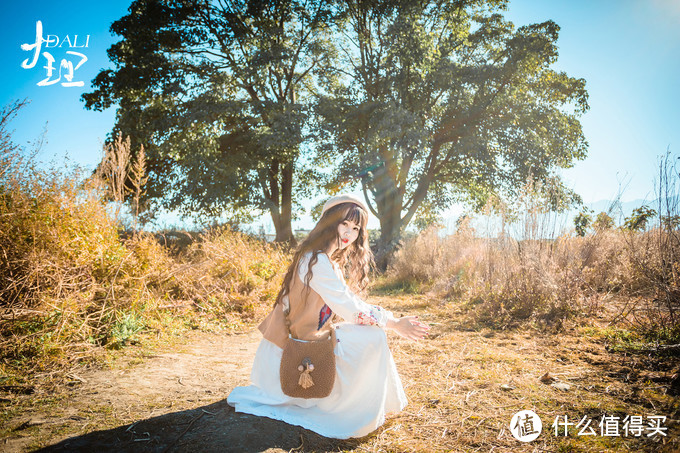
(174,400)
(463,386)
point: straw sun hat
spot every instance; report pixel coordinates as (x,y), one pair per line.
(343,198)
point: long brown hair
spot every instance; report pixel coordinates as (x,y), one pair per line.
(358,254)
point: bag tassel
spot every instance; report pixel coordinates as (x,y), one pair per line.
(305,380)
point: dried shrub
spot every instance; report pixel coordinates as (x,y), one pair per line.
(508,277)
(56,237)
(229,271)
(72,282)
(515,274)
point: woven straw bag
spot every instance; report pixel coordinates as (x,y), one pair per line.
(308,367)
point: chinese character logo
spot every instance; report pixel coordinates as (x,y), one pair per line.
(610,425)
(525,425)
(66,67)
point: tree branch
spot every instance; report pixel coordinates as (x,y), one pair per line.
(368,202)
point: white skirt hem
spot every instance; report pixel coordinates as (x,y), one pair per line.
(366,389)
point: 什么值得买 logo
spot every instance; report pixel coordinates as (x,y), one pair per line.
(526,426)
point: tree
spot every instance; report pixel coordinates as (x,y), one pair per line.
(444,101)
(637,221)
(603,221)
(218,93)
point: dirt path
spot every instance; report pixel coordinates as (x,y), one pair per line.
(173,400)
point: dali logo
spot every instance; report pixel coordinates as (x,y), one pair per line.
(66,66)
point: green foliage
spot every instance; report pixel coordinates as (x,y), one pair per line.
(670,221)
(423,103)
(124,329)
(603,221)
(218,93)
(582,221)
(427,217)
(639,218)
(448,101)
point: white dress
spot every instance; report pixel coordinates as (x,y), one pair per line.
(367,386)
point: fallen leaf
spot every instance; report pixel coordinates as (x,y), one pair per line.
(548,378)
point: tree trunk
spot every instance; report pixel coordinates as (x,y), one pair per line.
(286,233)
(282,226)
(389,203)
(284,230)
(390,234)
(282,212)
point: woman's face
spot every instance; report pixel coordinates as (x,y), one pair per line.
(348,232)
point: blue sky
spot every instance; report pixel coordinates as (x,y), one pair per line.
(627,50)
(629,53)
(70,128)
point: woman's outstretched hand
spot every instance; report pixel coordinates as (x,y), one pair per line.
(409,327)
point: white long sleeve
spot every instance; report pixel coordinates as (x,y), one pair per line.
(337,295)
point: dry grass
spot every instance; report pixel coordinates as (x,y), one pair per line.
(223,280)
(504,281)
(228,274)
(73,284)
(594,311)
(454,378)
